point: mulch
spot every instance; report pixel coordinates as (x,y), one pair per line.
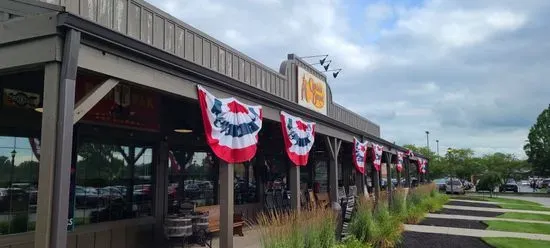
(433,240)
(473,204)
(470,224)
(468,212)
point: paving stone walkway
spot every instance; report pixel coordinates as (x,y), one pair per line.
(498,210)
(474,232)
(466,217)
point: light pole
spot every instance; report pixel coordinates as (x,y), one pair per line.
(450,159)
(437,141)
(13,153)
(428,140)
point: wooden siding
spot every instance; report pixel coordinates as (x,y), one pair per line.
(142,21)
(136,233)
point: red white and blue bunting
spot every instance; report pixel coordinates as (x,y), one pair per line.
(422,166)
(231,127)
(299,136)
(359,154)
(410,154)
(399,165)
(377,155)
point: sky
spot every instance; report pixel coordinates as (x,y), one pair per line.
(470,72)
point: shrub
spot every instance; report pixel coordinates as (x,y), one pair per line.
(389,228)
(362,225)
(399,206)
(353,243)
(310,229)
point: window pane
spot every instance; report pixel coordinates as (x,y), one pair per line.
(18,185)
(112,182)
(245,184)
(321,176)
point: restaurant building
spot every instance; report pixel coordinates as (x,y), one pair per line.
(102,133)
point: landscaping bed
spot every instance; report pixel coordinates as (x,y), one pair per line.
(471,224)
(432,240)
(473,204)
(468,212)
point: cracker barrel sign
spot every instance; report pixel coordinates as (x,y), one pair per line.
(123,106)
(312,92)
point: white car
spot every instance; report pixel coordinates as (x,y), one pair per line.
(457,187)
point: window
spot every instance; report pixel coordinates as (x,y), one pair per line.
(321,176)
(276,172)
(196,182)
(245,184)
(18,184)
(113,182)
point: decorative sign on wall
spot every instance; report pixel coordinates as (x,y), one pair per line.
(377,154)
(399,166)
(299,136)
(312,91)
(231,127)
(20,99)
(123,106)
(359,154)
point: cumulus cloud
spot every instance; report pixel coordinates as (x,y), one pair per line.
(472,72)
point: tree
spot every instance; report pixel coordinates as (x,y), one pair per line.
(538,144)
(435,165)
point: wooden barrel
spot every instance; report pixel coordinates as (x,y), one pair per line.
(178,227)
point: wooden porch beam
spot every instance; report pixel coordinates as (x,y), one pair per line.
(92,98)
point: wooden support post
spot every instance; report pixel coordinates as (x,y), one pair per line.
(389,185)
(407,172)
(226,204)
(294,181)
(376,183)
(57,145)
(333,145)
(161,189)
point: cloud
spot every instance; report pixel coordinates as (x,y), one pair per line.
(472,72)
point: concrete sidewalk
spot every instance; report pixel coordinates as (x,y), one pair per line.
(465,217)
(497,210)
(474,232)
(251,239)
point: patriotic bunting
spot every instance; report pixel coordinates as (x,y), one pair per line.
(231,127)
(377,154)
(422,166)
(410,154)
(359,154)
(399,166)
(299,136)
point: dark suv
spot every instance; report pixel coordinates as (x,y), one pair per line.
(510,185)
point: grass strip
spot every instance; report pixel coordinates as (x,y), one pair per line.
(508,226)
(525,216)
(524,207)
(516,243)
(498,200)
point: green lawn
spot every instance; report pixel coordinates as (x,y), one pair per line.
(516,243)
(524,207)
(525,216)
(508,226)
(509,203)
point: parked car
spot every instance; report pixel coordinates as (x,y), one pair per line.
(545,183)
(467,185)
(13,199)
(441,184)
(86,197)
(457,187)
(510,185)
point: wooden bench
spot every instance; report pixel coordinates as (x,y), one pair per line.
(323,199)
(214,219)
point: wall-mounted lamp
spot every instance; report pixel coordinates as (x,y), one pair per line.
(325,66)
(335,72)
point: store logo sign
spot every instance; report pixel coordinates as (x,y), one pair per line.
(21,99)
(312,91)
